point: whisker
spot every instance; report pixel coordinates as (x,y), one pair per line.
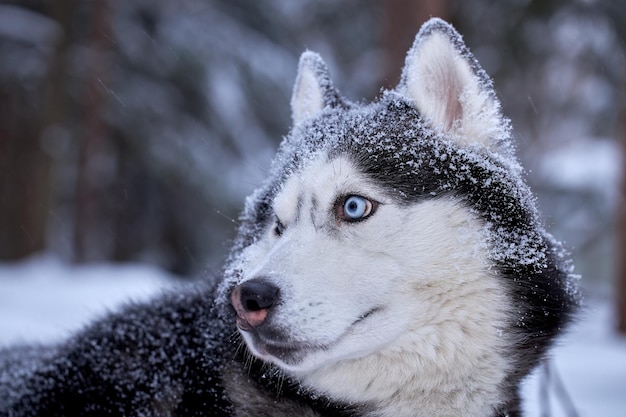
(227,217)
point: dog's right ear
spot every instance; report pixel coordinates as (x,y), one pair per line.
(313,91)
(446,84)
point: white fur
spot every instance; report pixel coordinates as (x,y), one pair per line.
(444,88)
(434,346)
(308,96)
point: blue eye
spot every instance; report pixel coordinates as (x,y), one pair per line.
(356,208)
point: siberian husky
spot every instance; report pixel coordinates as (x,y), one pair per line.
(394,260)
(393,264)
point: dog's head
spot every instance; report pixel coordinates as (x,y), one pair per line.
(396,237)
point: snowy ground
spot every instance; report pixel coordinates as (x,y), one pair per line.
(43,300)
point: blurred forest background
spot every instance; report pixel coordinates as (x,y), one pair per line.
(132,130)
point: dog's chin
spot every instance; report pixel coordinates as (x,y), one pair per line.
(299,358)
(291,356)
(276,351)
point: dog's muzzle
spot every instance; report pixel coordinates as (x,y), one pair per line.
(252,301)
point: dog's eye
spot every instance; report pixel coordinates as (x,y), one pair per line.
(355,208)
(279,228)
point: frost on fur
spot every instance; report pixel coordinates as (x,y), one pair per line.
(448,86)
(313,89)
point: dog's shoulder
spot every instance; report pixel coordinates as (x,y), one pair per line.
(164,357)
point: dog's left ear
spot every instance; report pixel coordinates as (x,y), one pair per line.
(446,84)
(314,90)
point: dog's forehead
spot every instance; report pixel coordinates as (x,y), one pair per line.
(344,149)
(321,180)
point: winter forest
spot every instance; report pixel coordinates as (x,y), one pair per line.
(132,130)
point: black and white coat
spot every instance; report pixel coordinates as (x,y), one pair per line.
(392,264)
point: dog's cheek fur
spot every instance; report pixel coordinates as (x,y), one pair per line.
(456,336)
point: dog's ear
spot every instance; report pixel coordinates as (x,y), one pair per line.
(446,84)
(313,90)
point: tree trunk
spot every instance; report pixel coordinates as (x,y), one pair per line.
(93,132)
(24,180)
(402,21)
(25,168)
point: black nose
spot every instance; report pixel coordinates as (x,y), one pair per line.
(252,301)
(257,294)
